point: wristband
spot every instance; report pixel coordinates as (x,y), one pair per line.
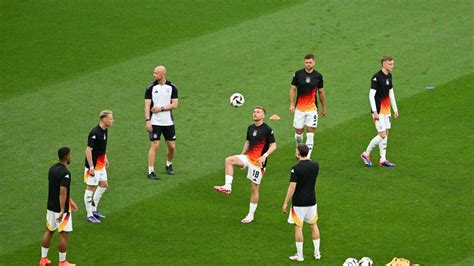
(162,108)
(148,119)
(265,155)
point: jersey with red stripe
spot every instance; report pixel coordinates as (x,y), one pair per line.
(382,84)
(307,84)
(259,138)
(97,140)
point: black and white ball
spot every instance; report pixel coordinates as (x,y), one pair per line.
(366,261)
(237,99)
(351,262)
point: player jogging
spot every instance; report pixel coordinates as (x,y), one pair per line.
(161,97)
(96,164)
(260,143)
(60,204)
(381,97)
(302,193)
(305,83)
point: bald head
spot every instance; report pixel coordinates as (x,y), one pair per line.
(160,73)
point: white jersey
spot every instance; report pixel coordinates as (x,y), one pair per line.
(161,95)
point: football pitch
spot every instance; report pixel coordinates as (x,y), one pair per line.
(64,62)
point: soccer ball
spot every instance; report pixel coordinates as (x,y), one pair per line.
(237,99)
(351,262)
(366,261)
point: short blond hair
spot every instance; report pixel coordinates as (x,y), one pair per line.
(104,114)
(261,108)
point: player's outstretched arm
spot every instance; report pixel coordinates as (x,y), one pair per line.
(289,195)
(322,100)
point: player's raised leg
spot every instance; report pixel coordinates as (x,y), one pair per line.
(230,162)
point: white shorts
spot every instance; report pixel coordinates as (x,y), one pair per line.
(100,175)
(383,123)
(254,173)
(309,119)
(298,215)
(65,224)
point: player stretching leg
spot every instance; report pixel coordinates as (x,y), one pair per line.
(259,145)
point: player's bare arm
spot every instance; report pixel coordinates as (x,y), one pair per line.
(73,204)
(171,106)
(322,100)
(90,161)
(393,103)
(245,148)
(270,150)
(289,195)
(147,114)
(292,98)
(62,202)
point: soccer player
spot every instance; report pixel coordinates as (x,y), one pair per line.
(381,97)
(303,197)
(96,164)
(305,83)
(60,204)
(259,145)
(161,97)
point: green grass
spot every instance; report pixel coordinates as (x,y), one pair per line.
(419,210)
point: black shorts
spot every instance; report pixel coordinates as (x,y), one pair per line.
(168,132)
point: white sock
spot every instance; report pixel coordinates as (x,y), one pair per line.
(374,142)
(44,252)
(299,249)
(228,181)
(383,149)
(62,256)
(97,196)
(168,163)
(151,169)
(253,208)
(309,142)
(316,246)
(88,201)
(298,138)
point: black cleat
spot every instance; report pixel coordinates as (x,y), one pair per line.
(153,176)
(169,169)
